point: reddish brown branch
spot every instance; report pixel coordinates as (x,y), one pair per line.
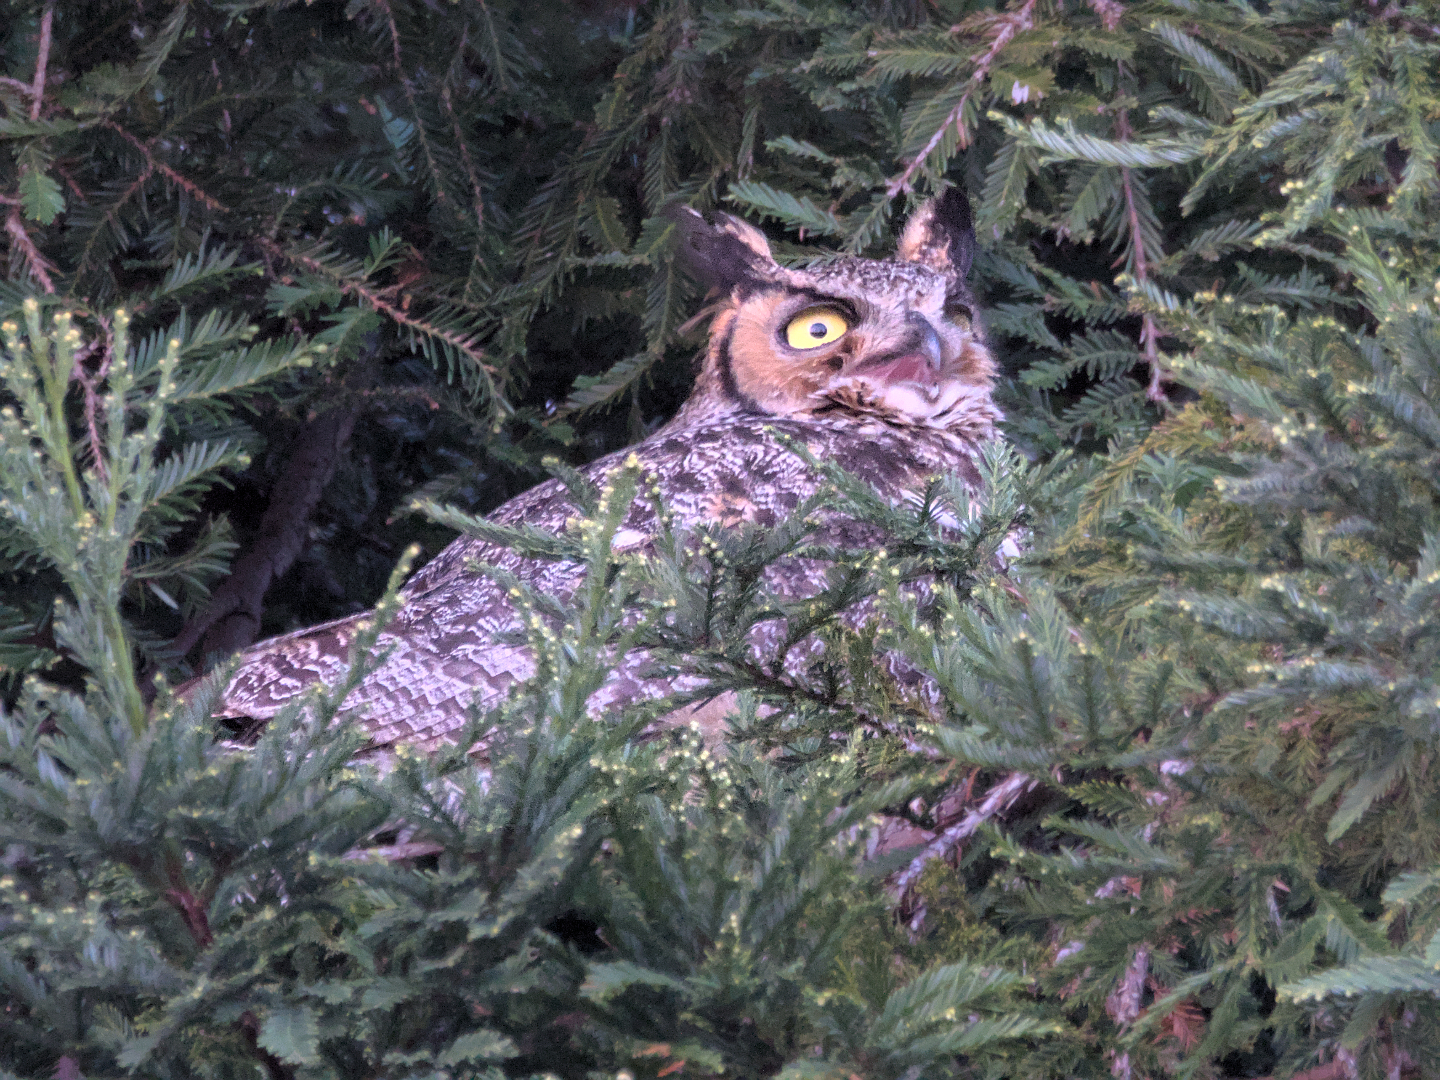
(39,267)
(384,5)
(465,345)
(108,219)
(374,298)
(78,191)
(42,60)
(1142,266)
(90,385)
(15,84)
(470,172)
(1149,330)
(153,164)
(1006,26)
(191,910)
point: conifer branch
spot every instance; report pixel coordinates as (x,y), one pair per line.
(189,906)
(89,384)
(1149,331)
(436,174)
(39,267)
(471,173)
(108,220)
(42,60)
(154,164)
(1004,26)
(16,85)
(373,297)
(1223,638)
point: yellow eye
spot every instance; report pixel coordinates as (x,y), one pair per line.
(816,327)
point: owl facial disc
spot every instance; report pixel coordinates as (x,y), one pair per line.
(870,338)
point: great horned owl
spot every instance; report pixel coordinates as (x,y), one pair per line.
(876,365)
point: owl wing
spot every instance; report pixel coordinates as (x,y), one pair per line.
(447,644)
(448,647)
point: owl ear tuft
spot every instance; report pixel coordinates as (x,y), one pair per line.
(939,235)
(723,254)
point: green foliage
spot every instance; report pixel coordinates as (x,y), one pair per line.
(176,904)
(1174,764)
(1267,559)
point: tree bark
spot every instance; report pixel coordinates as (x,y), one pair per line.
(231,620)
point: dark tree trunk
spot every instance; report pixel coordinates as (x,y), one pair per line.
(231,621)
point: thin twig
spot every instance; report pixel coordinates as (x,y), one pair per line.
(408,87)
(42,60)
(495,44)
(470,171)
(91,385)
(1007,26)
(109,216)
(472,174)
(40,269)
(38,266)
(92,409)
(1132,211)
(191,911)
(373,298)
(154,164)
(69,181)
(1149,330)
(15,84)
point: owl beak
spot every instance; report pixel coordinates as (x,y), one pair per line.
(920,363)
(929,342)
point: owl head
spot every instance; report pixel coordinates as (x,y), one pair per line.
(894,340)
